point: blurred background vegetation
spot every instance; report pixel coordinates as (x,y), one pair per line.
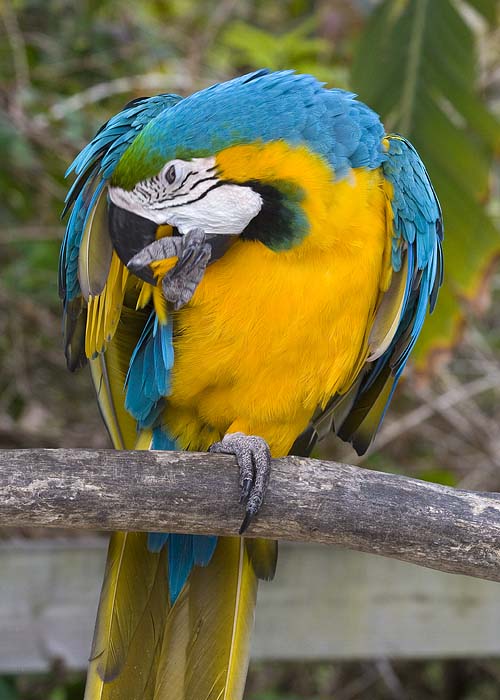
(430,67)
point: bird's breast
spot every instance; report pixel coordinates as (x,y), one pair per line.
(269,336)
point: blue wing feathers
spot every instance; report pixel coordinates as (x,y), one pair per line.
(203,549)
(418,230)
(157,540)
(148,378)
(180,562)
(184,552)
(418,235)
(162,441)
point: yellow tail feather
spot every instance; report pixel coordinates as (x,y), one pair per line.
(198,649)
(130,623)
(144,650)
(206,645)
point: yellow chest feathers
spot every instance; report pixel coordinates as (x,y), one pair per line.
(269,336)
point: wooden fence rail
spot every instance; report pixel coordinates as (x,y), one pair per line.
(325,603)
(308,500)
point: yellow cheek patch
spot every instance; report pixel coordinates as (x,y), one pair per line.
(282,166)
(275,161)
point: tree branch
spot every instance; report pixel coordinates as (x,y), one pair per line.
(101,91)
(308,500)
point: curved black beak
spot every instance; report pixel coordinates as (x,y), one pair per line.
(131,233)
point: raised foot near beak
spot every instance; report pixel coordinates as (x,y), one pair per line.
(254,461)
(193,253)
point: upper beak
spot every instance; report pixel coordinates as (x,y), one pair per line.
(131,233)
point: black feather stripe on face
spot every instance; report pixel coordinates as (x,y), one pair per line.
(130,233)
(281,222)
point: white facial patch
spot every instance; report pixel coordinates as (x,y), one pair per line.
(227,209)
(189,194)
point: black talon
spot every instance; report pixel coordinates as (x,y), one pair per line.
(246,487)
(254,461)
(244,525)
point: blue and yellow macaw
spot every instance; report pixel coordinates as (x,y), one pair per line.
(245,270)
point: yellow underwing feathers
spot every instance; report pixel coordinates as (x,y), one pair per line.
(388,314)
(94,257)
(109,371)
(104,310)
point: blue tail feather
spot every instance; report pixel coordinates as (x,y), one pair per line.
(180,563)
(184,551)
(203,548)
(156,541)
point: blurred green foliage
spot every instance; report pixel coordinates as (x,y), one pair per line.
(429,91)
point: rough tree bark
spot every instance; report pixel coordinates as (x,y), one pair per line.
(308,500)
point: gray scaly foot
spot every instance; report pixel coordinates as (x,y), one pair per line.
(193,251)
(254,461)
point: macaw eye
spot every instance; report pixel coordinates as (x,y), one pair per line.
(170,175)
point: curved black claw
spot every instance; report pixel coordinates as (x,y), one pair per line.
(254,461)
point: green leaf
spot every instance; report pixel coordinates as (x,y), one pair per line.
(416,65)
(252,47)
(487,8)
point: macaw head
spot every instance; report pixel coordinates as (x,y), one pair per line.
(189,193)
(239,158)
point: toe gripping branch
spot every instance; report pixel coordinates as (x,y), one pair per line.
(254,461)
(193,253)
